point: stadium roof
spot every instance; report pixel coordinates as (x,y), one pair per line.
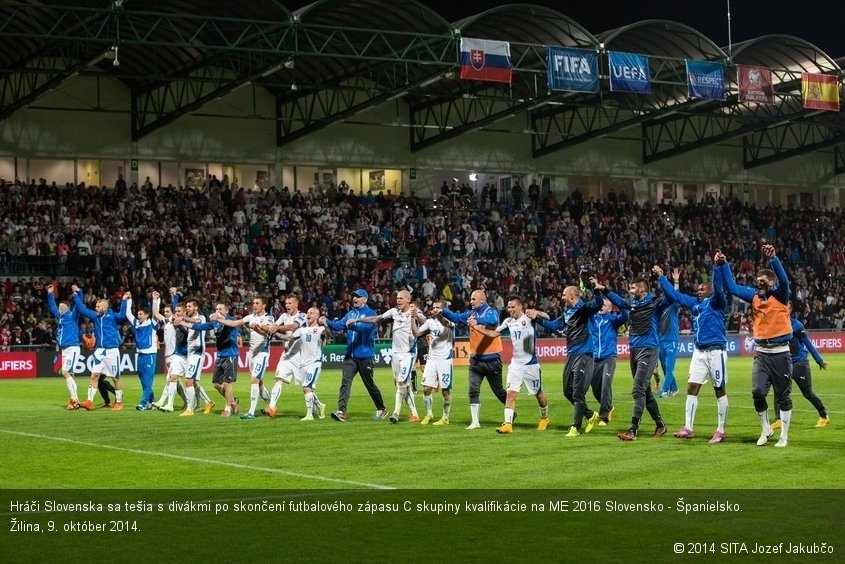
(335,58)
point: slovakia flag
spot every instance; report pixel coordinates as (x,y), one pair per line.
(485,60)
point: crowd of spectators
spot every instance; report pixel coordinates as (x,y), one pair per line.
(220,242)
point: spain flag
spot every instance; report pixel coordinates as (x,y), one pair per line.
(820,91)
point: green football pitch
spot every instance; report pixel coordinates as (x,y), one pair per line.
(48,447)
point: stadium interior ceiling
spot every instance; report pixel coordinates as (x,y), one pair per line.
(326,64)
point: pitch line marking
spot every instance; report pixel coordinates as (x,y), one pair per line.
(201,460)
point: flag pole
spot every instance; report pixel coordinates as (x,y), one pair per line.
(730,41)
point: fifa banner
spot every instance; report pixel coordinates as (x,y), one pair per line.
(705,79)
(485,60)
(820,91)
(755,84)
(47,363)
(574,70)
(629,72)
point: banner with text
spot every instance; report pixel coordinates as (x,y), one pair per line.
(705,79)
(18,365)
(629,72)
(47,363)
(571,69)
(755,84)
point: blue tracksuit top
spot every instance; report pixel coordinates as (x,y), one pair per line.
(801,343)
(604,328)
(67,333)
(144,343)
(576,324)
(708,315)
(668,328)
(360,337)
(225,337)
(644,313)
(106,330)
(780,292)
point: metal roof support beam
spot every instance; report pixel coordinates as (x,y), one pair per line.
(40,71)
(779,143)
(154,108)
(839,159)
(319,107)
(455,117)
(681,133)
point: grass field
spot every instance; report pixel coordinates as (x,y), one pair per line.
(47,447)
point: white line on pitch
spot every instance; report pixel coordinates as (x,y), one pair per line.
(201,460)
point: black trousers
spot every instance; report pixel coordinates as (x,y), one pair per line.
(490,369)
(364,367)
(771,370)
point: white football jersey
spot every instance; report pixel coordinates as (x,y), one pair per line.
(523,339)
(442,338)
(311,343)
(403,340)
(291,347)
(258,342)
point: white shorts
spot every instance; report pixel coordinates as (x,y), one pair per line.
(528,374)
(194,366)
(258,364)
(438,373)
(286,369)
(69,357)
(177,366)
(712,364)
(107,361)
(307,375)
(402,365)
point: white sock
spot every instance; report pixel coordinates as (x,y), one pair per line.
(190,393)
(91,393)
(412,403)
(71,388)
(722,410)
(447,407)
(544,412)
(428,405)
(763,416)
(474,408)
(508,415)
(785,418)
(692,407)
(317,404)
(265,394)
(170,392)
(253,398)
(118,396)
(309,404)
(400,391)
(201,394)
(276,393)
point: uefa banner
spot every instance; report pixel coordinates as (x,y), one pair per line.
(629,72)
(47,363)
(575,70)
